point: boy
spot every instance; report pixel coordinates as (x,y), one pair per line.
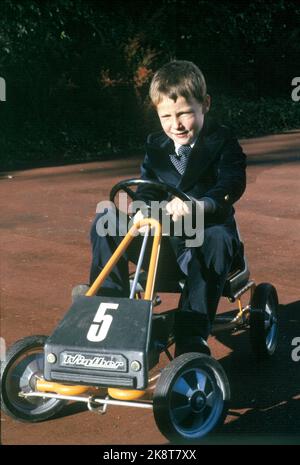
(205,161)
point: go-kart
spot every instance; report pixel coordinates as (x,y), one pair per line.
(105,349)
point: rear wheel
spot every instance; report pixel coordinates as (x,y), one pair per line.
(191,398)
(264,320)
(24,363)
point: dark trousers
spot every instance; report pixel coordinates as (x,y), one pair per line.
(204,268)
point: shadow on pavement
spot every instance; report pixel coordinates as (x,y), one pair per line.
(78,170)
(269,391)
(71,409)
(268,160)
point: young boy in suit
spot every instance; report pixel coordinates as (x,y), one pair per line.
(204,160)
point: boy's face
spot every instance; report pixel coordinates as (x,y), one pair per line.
(182,120)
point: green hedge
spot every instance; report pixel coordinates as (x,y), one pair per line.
(78,71)
(37,145)
(257,117)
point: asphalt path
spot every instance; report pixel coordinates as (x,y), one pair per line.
(45,251)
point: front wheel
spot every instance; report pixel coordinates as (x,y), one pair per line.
(191,398)
(24,363)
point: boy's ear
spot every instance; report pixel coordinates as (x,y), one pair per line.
(206,103)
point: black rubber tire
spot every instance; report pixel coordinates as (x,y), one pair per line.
(264,321)
(188,369)
(25,354)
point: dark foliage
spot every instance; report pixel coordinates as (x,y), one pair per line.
(77,72)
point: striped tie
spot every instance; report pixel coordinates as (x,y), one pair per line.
(180,160)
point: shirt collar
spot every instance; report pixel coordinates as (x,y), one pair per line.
(179,145)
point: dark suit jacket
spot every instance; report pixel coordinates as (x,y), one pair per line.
(216,169)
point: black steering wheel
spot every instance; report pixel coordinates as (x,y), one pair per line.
(166,188)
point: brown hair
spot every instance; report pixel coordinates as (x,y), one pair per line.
(178,78)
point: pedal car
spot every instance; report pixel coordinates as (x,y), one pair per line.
(105,349)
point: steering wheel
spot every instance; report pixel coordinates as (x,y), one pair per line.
(166,188)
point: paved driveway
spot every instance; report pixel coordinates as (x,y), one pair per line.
(45,251)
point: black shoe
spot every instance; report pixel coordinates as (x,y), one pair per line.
(193,344)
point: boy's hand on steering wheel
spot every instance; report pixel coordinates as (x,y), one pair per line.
(137,217)
(177,208)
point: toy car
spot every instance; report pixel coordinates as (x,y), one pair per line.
(105,348)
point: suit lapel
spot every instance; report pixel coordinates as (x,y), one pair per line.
(164,168)
(202,155)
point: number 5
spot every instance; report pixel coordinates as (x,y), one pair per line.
(98,332)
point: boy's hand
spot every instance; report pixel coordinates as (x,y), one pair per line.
(177,208)
(137,217)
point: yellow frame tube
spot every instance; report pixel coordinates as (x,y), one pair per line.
(132,233)
(240,308)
